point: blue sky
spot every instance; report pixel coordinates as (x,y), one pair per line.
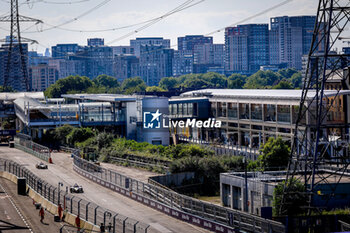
(203,18)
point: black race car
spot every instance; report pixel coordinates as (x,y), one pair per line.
(41,165)
(76,189)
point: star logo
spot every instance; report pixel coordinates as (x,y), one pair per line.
(156,115)
(151,120)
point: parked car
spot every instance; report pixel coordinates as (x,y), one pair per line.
(76,189)
(41,165)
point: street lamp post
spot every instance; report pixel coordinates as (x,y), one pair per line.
(245,184)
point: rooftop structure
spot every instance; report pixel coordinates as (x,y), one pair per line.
(249,117)
(262,184)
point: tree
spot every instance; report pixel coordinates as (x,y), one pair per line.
(236,81)
(132,85)
(287,73)
(154,89)
(214,80)
(284,84)
(103,140)
(79,135)
(61,133)
(262,79)
(296,80)
(275,153)
(294,202)
(168,83)
(195,82)
(7,89)
(106,81)
(70,84)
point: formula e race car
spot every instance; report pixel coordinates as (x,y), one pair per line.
(41,165)
(76,189)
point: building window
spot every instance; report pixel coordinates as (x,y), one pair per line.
(283,113)
(256,111)
(244,111)
(270,112)
(232,111)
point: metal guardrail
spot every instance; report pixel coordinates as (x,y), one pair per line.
(344,226)
(68,149)
(228,149)
(203,214)
(23,143)
(137,163)
(87,211)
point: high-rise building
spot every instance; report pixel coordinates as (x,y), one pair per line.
(63,50)
(190,41)
(219,54)
(155,63)
(290,39)
(182,62)
(98,60)
(95,42)
(209,54)
(47,52)
(126,66)
(15,76)
(246,48)
(42,76)
(66,67)
(35,58)
(119,50)
(154,41)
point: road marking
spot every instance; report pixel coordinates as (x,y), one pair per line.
(19,213)
(159,227)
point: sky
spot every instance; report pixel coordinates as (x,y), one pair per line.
(205,17)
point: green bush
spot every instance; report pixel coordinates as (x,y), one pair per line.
(79,135)
(103,140)
(62,132)
(295,201)
(275,154)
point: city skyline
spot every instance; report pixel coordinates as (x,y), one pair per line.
(205,17)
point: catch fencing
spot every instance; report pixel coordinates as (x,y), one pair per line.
(225,149)
(206,215)
(87,211)
(25,144)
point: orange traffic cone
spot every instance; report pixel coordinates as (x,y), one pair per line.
(50,160)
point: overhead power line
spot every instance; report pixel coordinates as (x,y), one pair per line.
(60,2)
(73,19)
(182,7)
(101,30)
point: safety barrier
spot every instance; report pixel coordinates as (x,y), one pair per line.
(26,145)
(225,149)
(49,196)
(206,215)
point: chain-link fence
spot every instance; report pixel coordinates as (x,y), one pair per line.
(27,145)
(209,216)
(86,210)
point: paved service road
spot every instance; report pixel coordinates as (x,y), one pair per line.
(18,214)
(62,171)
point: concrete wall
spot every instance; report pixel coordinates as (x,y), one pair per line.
(173,179)
(232,191)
